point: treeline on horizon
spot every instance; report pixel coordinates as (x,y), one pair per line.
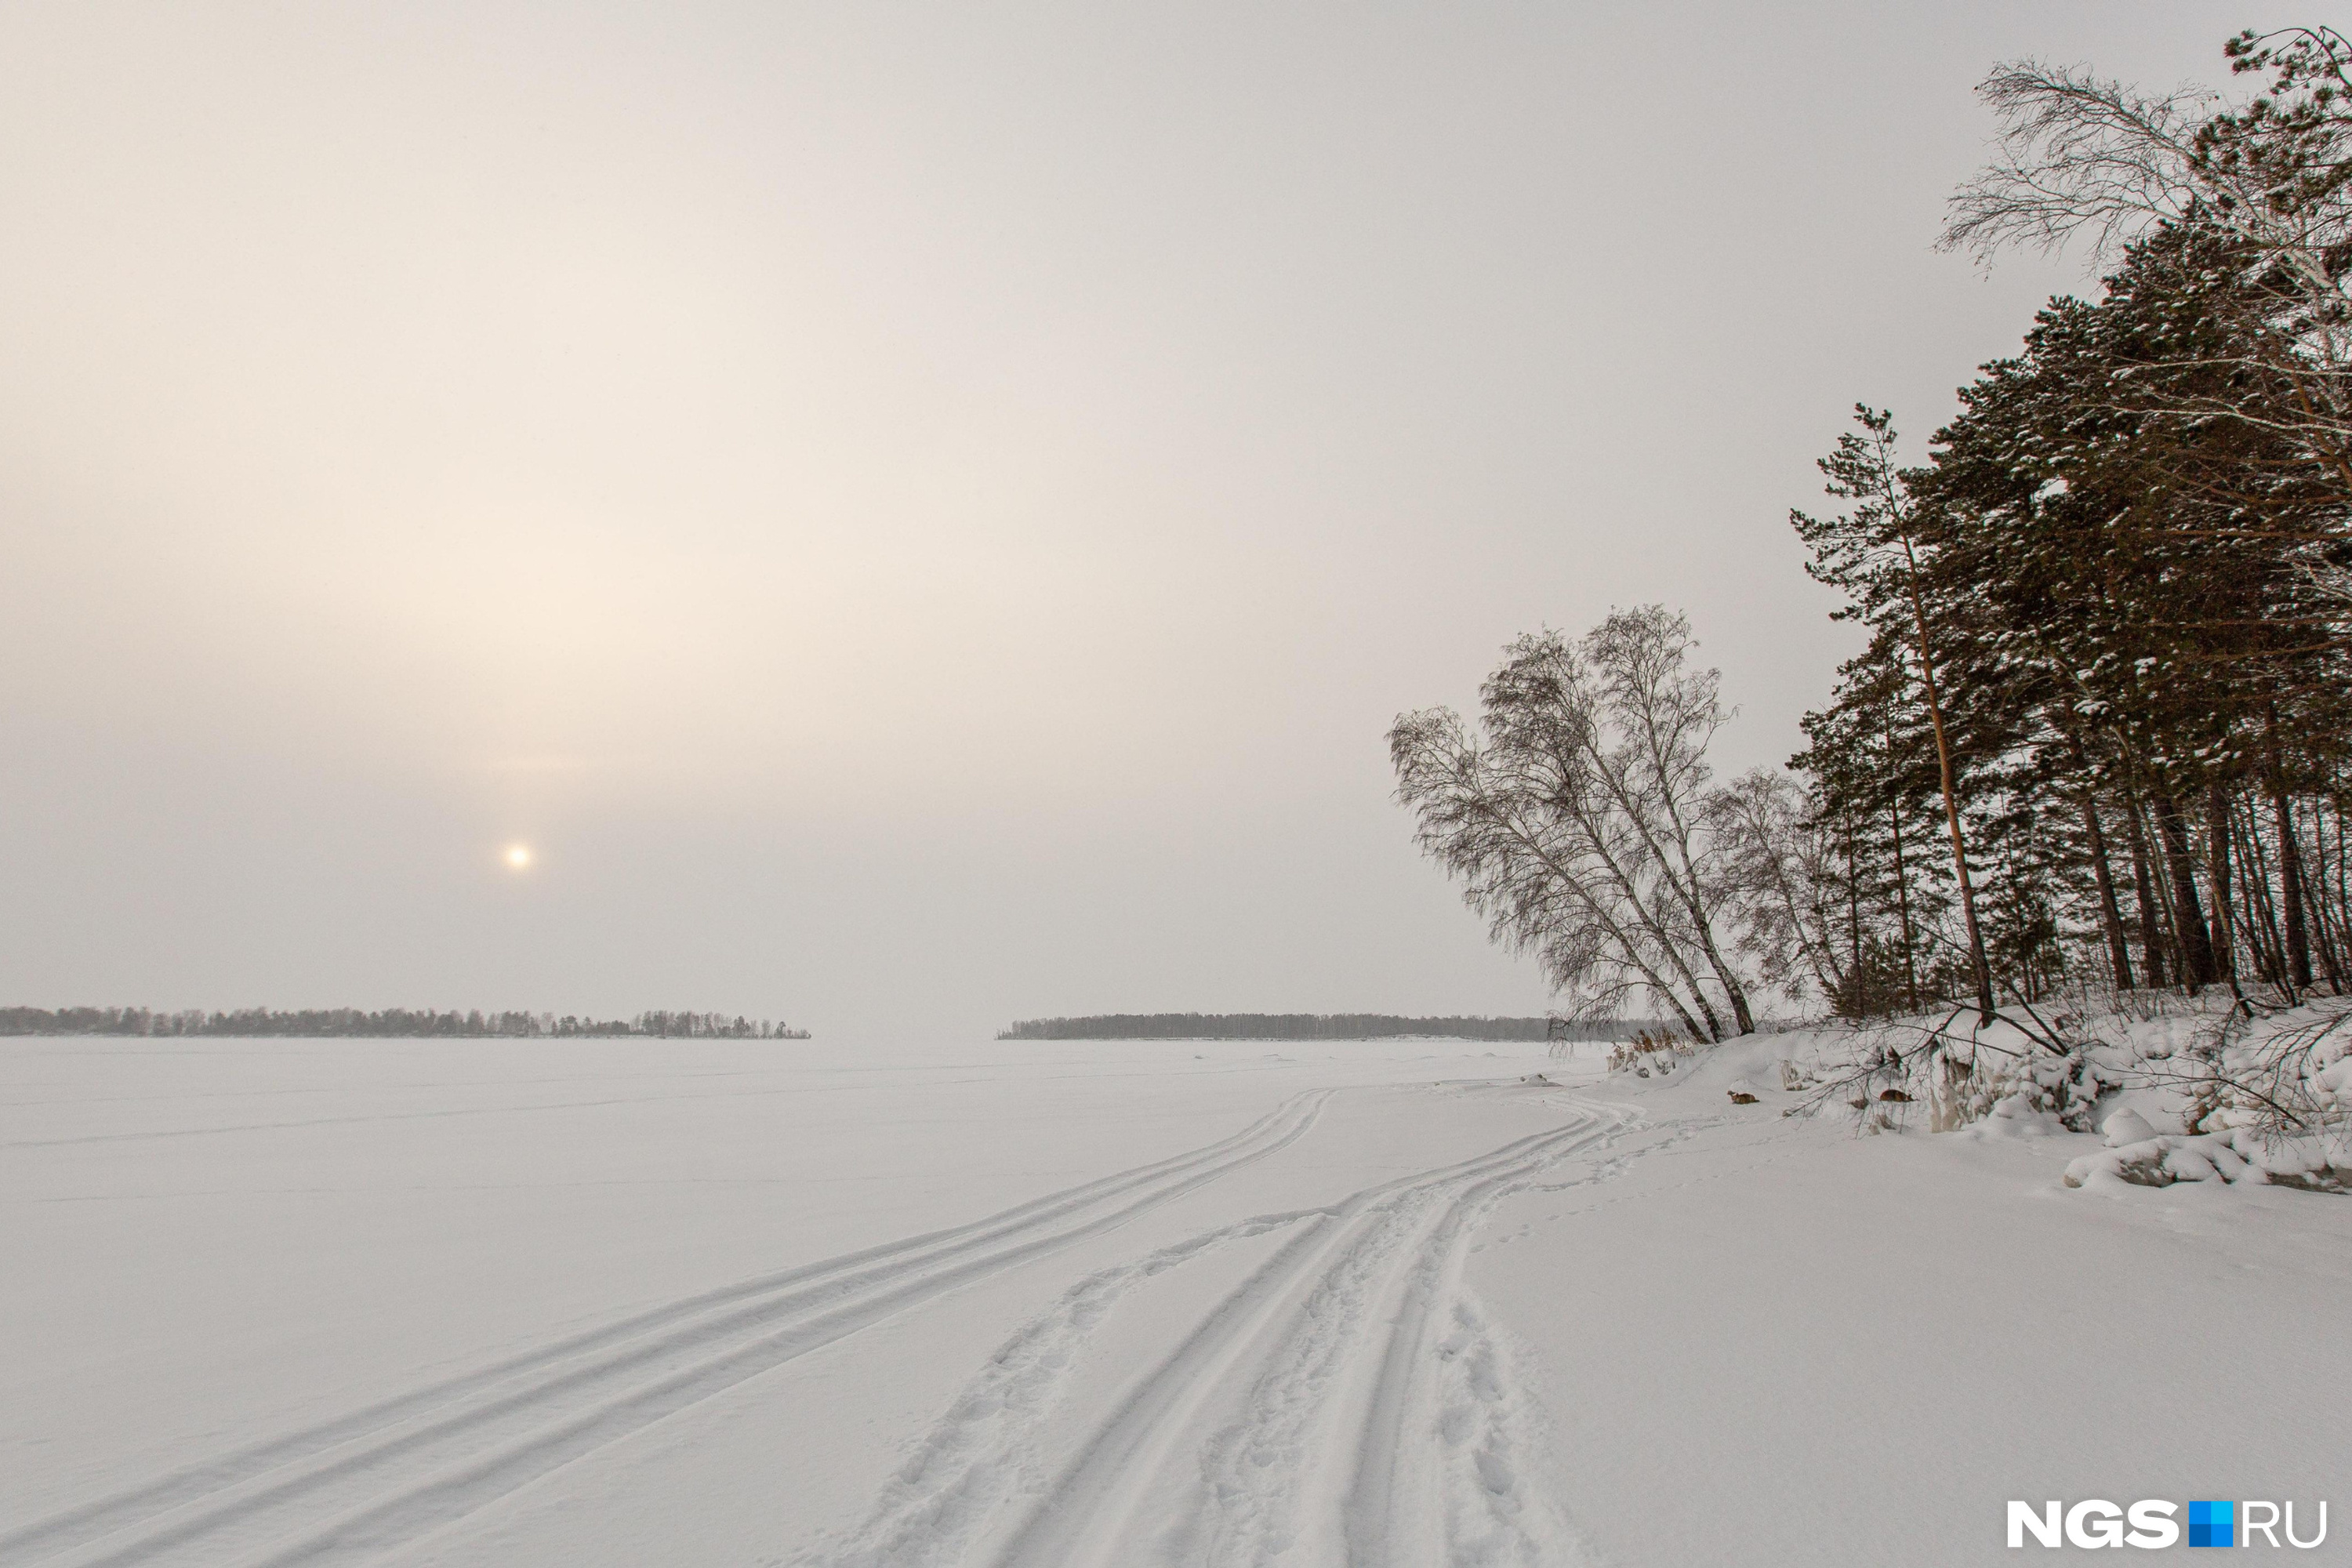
(391,1023)
(1310,1026)
(2099,727)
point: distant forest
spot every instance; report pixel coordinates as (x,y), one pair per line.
(1309,1027)
(393,1023)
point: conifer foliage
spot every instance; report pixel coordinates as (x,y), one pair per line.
(2099,727)
(2106,616)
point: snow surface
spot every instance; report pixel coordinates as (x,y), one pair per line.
(1405,1302)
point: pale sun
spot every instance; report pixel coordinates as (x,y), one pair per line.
(518,856)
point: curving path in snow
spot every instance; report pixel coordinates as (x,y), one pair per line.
(1399,1305)
(1309,1383)
(361,1485)
(1345,1403)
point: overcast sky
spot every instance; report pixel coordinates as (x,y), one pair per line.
(919,516)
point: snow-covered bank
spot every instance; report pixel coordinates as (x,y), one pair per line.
(517,1302)
(1798,1343)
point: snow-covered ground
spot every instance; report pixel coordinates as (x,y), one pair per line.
(630,1302)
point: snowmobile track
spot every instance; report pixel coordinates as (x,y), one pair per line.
(361,1485)
(1341,1404)
(1345,1403)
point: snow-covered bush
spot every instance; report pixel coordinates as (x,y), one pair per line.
(2137,1153)
(1959,1069)
(2068,1087)
(2277,1085)
(2209,1089)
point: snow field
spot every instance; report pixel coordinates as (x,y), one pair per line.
(845,1307)
(400,1423)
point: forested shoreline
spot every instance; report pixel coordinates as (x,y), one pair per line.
(1309,1027)
(2109,615)
(2099,732)
(391,1023)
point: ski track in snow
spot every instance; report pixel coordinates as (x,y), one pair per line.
(369,1482)
(1346,1403)
(945,1493)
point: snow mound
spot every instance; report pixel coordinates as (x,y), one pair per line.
(2235,1157)
(2015,1116)
(2127,1126)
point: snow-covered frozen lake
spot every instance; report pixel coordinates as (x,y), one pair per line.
(633,1302)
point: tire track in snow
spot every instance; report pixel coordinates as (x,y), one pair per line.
(1345,1403)
(1443,1371)
(372,1479)
(944,1495)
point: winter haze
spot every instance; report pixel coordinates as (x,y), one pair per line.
(916,515)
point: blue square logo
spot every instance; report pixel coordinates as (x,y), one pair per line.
(2212,1524)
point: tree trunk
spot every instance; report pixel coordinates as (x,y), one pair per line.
(2188,917)
(2318,909)
(2151,935)
(1857,974)
(1983,971)
(2110,915)
(2342,902)
(2217,859)
(2298,936)
(1903,908)
(1902,876)
(2146,894)
(2254,877)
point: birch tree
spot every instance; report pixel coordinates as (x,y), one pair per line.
(1579,816)
(2268,181)
(1781,859)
